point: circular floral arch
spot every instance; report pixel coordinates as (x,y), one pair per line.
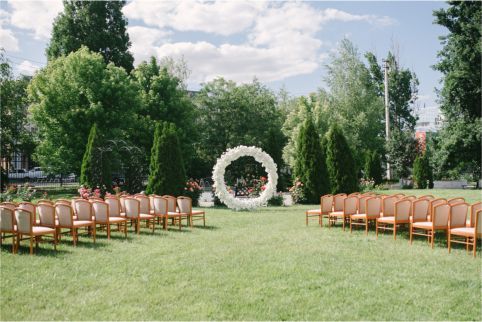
(233,154)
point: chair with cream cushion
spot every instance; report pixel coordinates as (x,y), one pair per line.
(160,209)
(65,215)
(24,219)
(433,204)
(7,225)
(133,211)
(439,221)
(467,235)
(9,205)
(30,207)
(326,205)
(46,214)
(401,216)
(350,207)
(102,218)
(50,202)
(420,210)
(457,219)
(373,207)
(184,205)
(388,206)
(173,212)
(145,211)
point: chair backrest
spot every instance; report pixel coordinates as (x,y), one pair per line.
(23,218)
(72,204)
(338,201)
(92,199)
(353,194)
(68,202)
(435,202)
(453,201)
(411,198)
(101,211)
(388,206)
(7,219)
(473,211)
(160,205)
(478,223)
(114,206)
(65,214)
(171,203)
(458,215)
(50,202)
(46,214)
(144,203)
(362,204)
(440,215)
(420,210)
(426,197)
(151,201)
(326,203)
(399,195)
(122,200)
(133,207)
(83,209)
(30,207)
(350,205)
(403,209)
(9,205)
(184,204)
(373,207)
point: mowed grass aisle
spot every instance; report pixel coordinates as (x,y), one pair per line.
(262,265)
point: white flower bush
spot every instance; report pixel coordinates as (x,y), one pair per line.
(233,154)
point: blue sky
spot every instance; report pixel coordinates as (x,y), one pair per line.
(281,43)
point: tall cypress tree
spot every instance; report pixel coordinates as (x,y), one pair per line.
(340,163)
(373,167)
(166,173)
(310,166)
(422,172)
(95,170)
(98,25)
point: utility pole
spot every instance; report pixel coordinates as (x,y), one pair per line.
(387,114)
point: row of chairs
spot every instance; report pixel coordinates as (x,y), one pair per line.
(32,221)
(423,215)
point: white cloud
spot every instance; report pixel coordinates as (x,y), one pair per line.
(37,16)
(280,38)
(27,68)
(220,17)
(144,41)
(7,40)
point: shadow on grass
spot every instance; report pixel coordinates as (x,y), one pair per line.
(207,227)
(42,250)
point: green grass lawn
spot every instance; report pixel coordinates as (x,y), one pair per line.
(260,265)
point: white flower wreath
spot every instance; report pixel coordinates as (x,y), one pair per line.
(233,154)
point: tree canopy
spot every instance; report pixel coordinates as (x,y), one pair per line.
(98,25)
(69,96)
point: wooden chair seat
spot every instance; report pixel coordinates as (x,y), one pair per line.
(313,212)
(337,214)
(463,231)
(82,223)
(146,216)
(390,220)
(39,230)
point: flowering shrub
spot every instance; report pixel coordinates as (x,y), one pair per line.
(87,193)
(257,186)
(193,190)
(276,200)
(366,185)
(9,194)
(297,192)
(26,193)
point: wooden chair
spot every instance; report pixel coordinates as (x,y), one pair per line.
(420,210)
(326,204)
(457,219)
(65,215)
(145,211)
(185,209)
(30,207)
(92,199)
(64,201)
(103,218)
(173,212)
(46,214)
(372,212)
(426,197)
(160,209)
(49,202)
(399,195)
(467,235)
(433,204)
(114,206)
(388,206)
(401,216)
(24,219)
(350,207)
(338,201)
(362,204)
(439,221)
(411,198)
(7,225)
(473,211)
(454,201)
(133,211)
(122,201)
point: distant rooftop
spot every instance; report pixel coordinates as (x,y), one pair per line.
(429,119)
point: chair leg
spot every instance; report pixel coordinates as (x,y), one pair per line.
(411,234)
(395,231)
(108,231)
(74,236)
(448,242)
(366,227)
(475,246)
(350,225)
(306,218)
(204,220)
(55,240)
(376,228)
(432,238)
(31,244)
